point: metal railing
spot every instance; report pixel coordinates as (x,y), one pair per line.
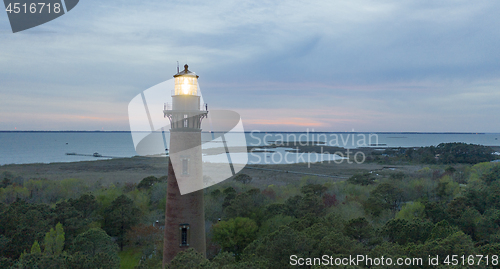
(168,106)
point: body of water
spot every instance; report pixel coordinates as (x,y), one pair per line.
(48,147)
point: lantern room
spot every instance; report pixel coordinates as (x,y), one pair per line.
(185,112)
(186,82)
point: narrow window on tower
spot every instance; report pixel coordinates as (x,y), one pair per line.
(184,235)
(185,121)
(185,166)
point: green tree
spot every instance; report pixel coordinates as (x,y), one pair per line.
(442,230)
(35,248)
(49,242)
(229,195)
(316,189)
(275,209)
(235,234)
(6,179)
(435,211)
(247,204)
(476,196)
(411,210)
(292,206)
(404,231)
(273,223)
(224,259)
(457,243)
(359,229)
(487,225)
(59,240)
(6,262)
(311,204)
(492,176)
(95,249)
(493,195)
(38,260)
(388,250)
(446,188)
(450,170)
(86,204)
(275,249)
(469,222)
(71,219)
(337,244)
(189,259)
(362,179)
(490,249)
(394,230)
(120,217)
(304,222)
(243,178)
(456,208)
(4,244)
(397,176)
(147,182)
(384,196)
(54,240)
(21,224)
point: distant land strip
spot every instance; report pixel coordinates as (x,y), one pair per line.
(269,132)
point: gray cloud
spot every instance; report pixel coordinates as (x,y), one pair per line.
(372,66)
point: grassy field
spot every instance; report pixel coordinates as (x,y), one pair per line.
(133,170)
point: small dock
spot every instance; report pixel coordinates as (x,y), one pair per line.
(91,155)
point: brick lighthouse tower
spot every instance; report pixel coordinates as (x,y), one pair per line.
(184,215)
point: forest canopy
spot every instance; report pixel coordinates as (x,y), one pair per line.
(448,207)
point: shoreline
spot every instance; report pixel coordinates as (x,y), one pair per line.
(134,169)
(313,148)
(265,132)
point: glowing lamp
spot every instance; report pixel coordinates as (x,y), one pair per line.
(186,82)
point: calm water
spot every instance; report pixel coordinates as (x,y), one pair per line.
(47,147)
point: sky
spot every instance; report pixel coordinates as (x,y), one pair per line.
(365,66)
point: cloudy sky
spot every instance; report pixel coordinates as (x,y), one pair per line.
(428,66)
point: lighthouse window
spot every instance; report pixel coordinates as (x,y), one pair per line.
(185,121)
(185,164)
(184,236)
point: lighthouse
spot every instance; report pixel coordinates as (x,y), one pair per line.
(184,214)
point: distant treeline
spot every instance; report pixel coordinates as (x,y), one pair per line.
(444,153)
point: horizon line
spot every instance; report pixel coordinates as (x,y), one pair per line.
(308,131)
